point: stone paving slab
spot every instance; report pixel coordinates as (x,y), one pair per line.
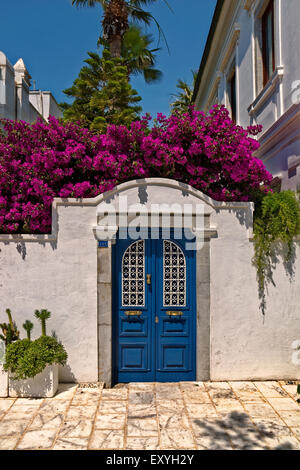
(153,416)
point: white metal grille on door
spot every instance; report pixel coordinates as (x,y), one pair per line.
(133,275)
(174,275)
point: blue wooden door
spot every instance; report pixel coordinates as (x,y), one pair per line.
(154,327)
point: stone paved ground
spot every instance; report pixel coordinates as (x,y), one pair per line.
(223,415)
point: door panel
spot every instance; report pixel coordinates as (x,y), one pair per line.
(173,357)
(175,326)
(133,327)
(133,330)
(154,328)
(176,304)
(134,357)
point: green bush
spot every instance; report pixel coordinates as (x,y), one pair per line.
(14,352)
(276,219)
(26,359)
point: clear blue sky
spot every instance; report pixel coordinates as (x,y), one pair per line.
(53,37)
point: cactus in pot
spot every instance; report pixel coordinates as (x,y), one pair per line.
(10,331)
(33,364)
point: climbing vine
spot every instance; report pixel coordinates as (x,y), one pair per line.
(276,223)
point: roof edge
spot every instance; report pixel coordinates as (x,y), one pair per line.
(213,27)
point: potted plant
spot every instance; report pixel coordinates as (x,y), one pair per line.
(33,365)
(9,334)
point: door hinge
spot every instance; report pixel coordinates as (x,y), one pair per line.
(156,319)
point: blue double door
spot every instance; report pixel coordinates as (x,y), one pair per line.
(154,327)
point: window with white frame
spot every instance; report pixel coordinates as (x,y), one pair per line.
(268,42)
(232,92)
(264,30)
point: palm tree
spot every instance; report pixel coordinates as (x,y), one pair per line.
(116,19)
(184,96)
(137,54)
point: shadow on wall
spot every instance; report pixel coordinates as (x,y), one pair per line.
(237,429)
(66,373)
(41,239)
(21,248)
(242,216)
(279,256)
(280,253)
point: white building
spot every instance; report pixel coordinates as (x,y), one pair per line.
(17,101)
(251,64)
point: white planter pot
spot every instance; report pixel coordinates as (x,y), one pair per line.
(3,374)
(3,383)
(43,385)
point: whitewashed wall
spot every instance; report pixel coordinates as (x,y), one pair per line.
(244,343)
(60,275)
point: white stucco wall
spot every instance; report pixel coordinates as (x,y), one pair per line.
(244,343)
(67,274)
(62,277)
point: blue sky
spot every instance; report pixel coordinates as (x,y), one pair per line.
(53,37)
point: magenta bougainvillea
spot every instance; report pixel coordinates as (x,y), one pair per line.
(41,161)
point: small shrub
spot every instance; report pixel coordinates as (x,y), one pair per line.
(14,352)
(26,359)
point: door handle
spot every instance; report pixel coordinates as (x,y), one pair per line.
(148,279)
(174,314)
(132,313)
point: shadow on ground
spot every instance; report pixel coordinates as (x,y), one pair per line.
(237,429)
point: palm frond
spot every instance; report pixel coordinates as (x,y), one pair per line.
(142,3)
(139,15)
(87,3)
(183,98)
(138,55)
(152,75)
